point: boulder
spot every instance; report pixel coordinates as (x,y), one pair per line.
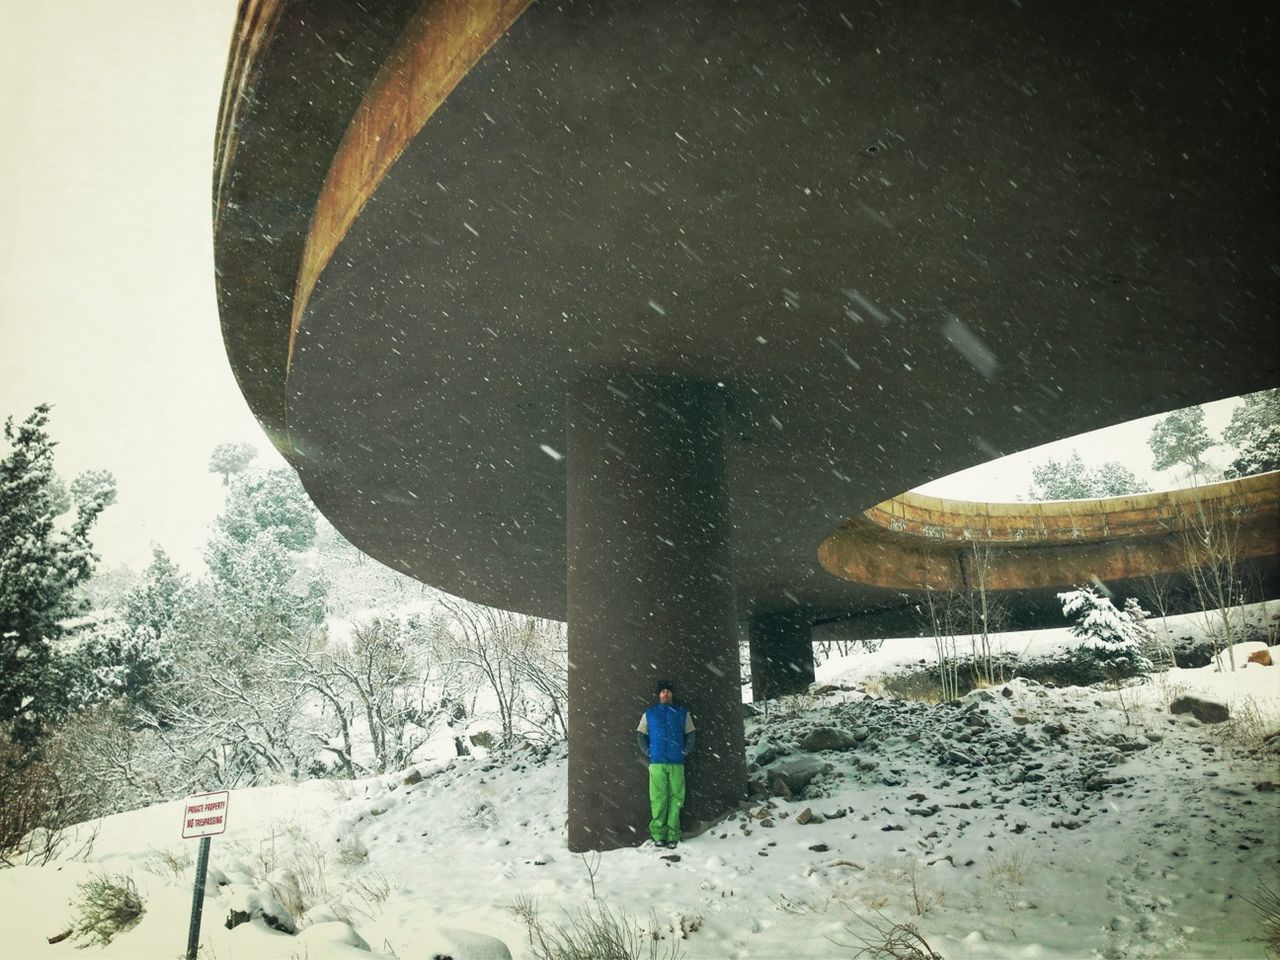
(828,738)
(1202,708)
(480,946)
(1262,657)
(795,775)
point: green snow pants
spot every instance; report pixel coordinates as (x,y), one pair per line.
(666,797)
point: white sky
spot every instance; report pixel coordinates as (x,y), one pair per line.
(107,305)
(106,256)
(1009,478)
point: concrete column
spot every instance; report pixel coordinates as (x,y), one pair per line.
(649,595)
(781,654)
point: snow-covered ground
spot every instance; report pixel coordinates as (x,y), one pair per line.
(1024,821)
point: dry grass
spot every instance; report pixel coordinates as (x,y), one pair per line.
(1267,902)
(1248,727)
(1008,869)
(594,932)
(168,863)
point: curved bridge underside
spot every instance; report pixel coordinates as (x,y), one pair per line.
(1025,553)
(613,312)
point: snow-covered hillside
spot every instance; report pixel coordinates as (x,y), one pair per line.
(1023,821)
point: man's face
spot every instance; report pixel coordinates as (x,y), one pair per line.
(664,696)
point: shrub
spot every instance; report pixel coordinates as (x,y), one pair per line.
(887,940)
(33,804)
(108,906)
(477,813)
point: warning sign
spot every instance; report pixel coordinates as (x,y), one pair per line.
(205,814)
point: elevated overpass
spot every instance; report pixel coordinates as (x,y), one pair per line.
(614,312)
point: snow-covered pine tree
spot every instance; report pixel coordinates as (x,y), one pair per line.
(1108,634)
(42,563)
(1254,432)
(156,599)
(116,661)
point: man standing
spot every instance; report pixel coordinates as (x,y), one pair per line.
(666,736)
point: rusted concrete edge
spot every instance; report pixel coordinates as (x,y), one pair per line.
(912,541)
(438,46)
(297,71)
(256,22)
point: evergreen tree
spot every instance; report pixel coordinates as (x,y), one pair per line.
(1181,438)
(41,566)
(1254,432)
(126,658)
(271,502)
(115,661)
(228,459)
(1106,633)
(1114,479)
(1071,479)
(1060,480)
(156,599)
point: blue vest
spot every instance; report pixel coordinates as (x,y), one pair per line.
(666,733)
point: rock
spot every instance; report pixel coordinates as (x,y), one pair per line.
(860,733)
(828,738)
(1202,708)
(819,848)
(795,775)
(828,688)
(765,754)
(807,816)
(1262,657)
(1097,782)
(462,942)
(1054,730)
(247,903)
(412,777)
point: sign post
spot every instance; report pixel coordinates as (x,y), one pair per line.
(205,816)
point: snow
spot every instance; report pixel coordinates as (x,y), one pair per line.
(1013,859)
